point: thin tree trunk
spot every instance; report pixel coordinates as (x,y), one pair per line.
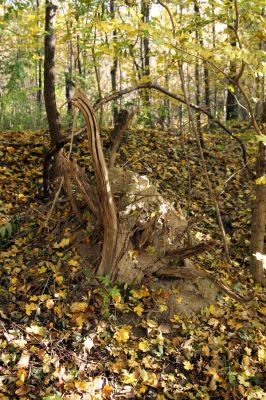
(258,220)
(214,46)
(79,65)
(39,91)
(196,71)
(69,79)
(53,116)
(145,52)
(39,71)
(113,71)
(49,74)
(231,103)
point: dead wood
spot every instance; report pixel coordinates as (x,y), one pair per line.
(189,251)
(106,205)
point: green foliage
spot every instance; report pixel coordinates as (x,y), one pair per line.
(8,230)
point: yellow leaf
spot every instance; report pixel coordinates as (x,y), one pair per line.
(64,242)
(80,320)
(22,390)
(59,279)
(261,354)
(144,346)
(139,294)
(82,386)
(205,350)
(187,365)
(149,378)
(175,318)
(30,308)
(150,250)
(73,263)
(128,377)
(261,180)
(78,307)
(138,309)
(262,310)
(242,380)
(212,309)
(163,308)
(122,334)
(107,390)
(58,310)
(42,269)
(22,374)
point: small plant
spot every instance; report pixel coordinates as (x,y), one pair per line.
(8,230)
(110,295)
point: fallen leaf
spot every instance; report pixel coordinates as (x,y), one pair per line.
(122,334)
(78,307)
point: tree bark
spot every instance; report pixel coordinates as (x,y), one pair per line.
(39,70)
(145,55)
(197,72)
(258,219)
(113,71)
(79,65)
(69,80)
(49,73)
(231,103)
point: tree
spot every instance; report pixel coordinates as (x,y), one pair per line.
(53,116)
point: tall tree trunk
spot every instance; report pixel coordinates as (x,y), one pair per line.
(145,53)
(69,79)
(39,70)
(231,103)
(197,71)
(258,220)
(79,65)
(39,91)
(113,71)
(50,171)
(214,46)
(49,73)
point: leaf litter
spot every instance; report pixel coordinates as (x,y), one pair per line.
(64,335)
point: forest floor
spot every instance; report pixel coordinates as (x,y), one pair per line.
(62,337)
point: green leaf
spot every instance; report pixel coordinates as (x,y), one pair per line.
(9,229)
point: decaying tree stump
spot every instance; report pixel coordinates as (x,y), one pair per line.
(139,226)
(142,231)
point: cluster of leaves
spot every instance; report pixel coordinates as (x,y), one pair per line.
(65,335)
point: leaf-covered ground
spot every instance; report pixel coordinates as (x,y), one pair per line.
(65,336)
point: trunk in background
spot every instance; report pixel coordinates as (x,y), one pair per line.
(49,73)
(69,79)
(113,71)
(231,103)
(258,220)
(145,55)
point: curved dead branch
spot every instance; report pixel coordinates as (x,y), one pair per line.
(106,205)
